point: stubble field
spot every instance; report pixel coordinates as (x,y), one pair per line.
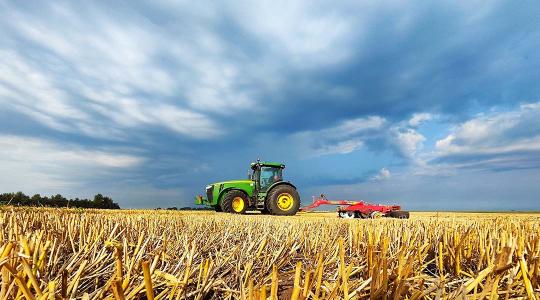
(138,254)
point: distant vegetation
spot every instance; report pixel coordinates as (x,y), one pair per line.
(185,208)
(20,199)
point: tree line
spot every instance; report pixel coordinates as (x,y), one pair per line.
(20,199)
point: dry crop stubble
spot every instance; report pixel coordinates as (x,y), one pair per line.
(137,254)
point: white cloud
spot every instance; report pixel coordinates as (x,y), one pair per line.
(383,174)
(113,68)
(185,121)
(29,89)
(32,164)
(343,138)
(419,118)
(497,132)
(299,32)
(342,147)
(509,139)
(408,141)
(34,150)
(358,125)
(26,89)
(351,135)
(119,54)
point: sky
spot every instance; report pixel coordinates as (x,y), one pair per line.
(430,105)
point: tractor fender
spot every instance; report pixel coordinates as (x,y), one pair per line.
(222,193)
(279,183)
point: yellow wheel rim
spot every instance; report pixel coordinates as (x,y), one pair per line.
(238,204)
(285,201)
(376,215)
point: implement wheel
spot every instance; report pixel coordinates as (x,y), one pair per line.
(283,200)
(347,214)
(399,214)
(234,202)
(376,215)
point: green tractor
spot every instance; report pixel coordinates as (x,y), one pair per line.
(265,191)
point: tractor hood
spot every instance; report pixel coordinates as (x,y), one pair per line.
(234,182)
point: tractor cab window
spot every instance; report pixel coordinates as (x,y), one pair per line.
(269,175)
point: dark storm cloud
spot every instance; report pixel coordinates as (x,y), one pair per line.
(443,61)
(441,58)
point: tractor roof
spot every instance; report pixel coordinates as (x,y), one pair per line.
(272,164)
(268,164)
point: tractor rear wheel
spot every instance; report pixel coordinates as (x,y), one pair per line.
(399,214)
(217,208)
(234,202)
(283,200)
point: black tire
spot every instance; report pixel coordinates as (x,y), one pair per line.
(399,214)
(274,195)
(227,202)
(217,208)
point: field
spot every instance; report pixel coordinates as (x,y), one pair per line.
(138,254)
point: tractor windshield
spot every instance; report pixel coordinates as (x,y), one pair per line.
(270,175)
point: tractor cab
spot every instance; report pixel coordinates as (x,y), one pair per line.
(265,174)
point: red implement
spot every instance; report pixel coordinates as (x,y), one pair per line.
(359,209)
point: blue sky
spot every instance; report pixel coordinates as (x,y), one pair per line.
(428,105)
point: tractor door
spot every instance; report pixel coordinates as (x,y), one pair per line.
(268,176)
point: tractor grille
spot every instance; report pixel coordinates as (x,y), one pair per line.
(210,193)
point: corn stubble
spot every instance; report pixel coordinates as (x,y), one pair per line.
(90,254)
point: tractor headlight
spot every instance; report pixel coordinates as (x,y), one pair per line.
(208,187)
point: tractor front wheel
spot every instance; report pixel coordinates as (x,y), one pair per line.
(234,202)
(283,200)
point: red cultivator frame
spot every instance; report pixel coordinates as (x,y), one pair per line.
(359,209)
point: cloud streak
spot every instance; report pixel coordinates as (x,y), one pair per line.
(36,165)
